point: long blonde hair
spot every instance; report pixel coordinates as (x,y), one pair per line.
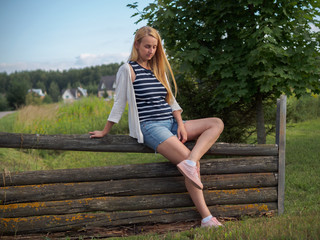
(159,64)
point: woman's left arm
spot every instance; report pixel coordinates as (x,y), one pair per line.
(181,132)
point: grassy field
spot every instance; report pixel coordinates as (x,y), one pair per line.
(78,118)
(301,219)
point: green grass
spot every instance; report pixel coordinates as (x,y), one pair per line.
(284,227)
(12,160)
(69,159)
(303,167)
(79,117)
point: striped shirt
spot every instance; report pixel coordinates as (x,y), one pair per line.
(150,95)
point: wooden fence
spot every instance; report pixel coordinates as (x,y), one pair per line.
(247,180)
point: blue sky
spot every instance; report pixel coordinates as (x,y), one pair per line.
(63,34)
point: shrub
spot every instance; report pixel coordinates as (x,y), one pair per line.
(304,108)
(3,103)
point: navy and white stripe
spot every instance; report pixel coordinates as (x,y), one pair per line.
(150,95)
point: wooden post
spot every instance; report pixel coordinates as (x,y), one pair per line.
(282,151)
(278,122)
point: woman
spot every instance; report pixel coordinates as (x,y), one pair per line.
(155,116)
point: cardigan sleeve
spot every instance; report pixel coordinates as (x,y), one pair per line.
(174,105)
(120,99)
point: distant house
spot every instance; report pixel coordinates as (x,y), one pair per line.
(70,95)
(38,92)
(107,86)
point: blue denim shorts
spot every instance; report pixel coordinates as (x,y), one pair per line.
(156,132)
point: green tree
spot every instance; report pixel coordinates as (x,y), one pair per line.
(18,89)
(3,82)
(54,91)
(47,99)
(39,79)
(236,56)
(41,85)
(3,103)
(33,99)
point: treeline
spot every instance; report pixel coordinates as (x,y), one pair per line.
(14,87)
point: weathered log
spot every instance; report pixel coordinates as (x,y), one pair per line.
(164,169)
(119,143)
(144,202)
(54,223)
(130,187)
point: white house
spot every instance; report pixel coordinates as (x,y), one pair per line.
(37,91)
(69,95)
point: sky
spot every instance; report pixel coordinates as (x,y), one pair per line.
(64,34)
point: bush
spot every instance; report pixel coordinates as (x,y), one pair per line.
(302,109)
(3,103)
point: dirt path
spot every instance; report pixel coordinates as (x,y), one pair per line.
(2,114)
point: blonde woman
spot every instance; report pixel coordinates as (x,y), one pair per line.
(155,116)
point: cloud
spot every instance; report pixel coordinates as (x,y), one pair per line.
(83,60)
(87,59)
(29,66)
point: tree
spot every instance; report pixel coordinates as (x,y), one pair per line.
(3,82)
(33,99)
(240,53)
(3,103)
(41,85)
(54,91)
(18,89)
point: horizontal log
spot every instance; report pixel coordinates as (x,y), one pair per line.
(118,143)
(53,223)
(144,202)
(149,170)
(130,187)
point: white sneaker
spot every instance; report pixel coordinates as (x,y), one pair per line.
(213,222)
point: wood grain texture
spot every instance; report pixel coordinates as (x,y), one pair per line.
(119,143)
(149,170)
(130,187)
(53,223)
(142,202)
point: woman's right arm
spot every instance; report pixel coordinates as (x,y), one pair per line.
(119,102)
(105,131)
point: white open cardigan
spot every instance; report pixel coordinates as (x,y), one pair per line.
(124,93)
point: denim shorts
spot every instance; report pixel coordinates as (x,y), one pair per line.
(156,132)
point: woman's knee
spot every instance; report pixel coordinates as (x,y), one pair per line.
(217,123)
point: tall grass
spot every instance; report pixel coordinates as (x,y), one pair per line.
(78,117)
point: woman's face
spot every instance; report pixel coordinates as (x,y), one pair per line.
(147,48)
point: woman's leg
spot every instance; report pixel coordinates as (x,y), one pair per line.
(207,131)
(176,152)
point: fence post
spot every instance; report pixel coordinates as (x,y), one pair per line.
(281,142)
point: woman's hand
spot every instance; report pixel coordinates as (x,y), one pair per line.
(97,134)
(182,133)
(105,131)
